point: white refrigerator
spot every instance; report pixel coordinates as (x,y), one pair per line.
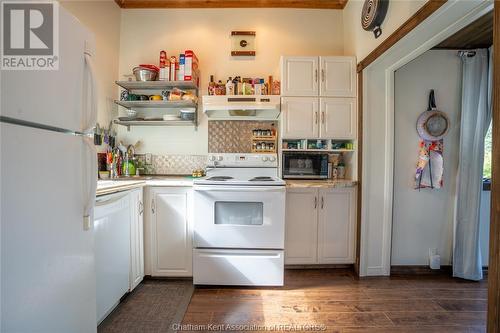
(47,191)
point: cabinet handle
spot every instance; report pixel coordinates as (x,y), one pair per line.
(141,208)
(316,117)
(323,117)
(315,202)
(322,202)
(323,76)
(153,205)
(316,75)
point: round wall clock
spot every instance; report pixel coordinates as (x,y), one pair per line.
(373,15)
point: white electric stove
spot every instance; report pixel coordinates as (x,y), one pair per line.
(239,222)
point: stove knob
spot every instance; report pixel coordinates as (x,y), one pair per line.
(219,158)
(212,158)
(264,158)
(272,158)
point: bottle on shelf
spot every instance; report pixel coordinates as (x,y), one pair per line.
(211,86)
(164,72)
(229,87)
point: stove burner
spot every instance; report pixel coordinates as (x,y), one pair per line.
(219,178)
(261,179)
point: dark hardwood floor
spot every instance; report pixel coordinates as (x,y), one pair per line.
(336,301)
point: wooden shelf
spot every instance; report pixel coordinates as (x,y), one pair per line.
(156,104)
(321,150)
(264,151)
(263,138)
(157,85)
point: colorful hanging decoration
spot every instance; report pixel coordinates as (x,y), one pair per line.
(432,126)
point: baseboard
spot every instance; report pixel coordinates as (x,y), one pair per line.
(337,266)
(420,270)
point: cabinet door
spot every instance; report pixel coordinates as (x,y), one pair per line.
(300,117)
(136,239)
(301,226)
(171,232)
(338,118)
(336,227)
(299,76)
(338,76)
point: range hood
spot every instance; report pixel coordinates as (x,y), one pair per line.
(242,107)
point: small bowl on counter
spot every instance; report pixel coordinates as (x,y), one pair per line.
(188,114)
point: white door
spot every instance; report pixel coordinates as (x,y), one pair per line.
(299,76)
(338,76)
(171,237)
(53,97)
(112,250)
(300,117)
(338,118)
(136,239)
(301,226)
(48,272)
(239,217)
(336,227)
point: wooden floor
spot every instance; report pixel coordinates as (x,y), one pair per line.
(337,301)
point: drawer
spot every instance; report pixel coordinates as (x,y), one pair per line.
(238,267)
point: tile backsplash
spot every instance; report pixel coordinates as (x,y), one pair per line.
(174,164)
(234,136)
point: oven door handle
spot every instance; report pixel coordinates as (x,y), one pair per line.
(240,188)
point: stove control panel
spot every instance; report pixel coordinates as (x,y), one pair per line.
(243,160)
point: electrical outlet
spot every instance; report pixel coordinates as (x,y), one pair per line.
(149,159)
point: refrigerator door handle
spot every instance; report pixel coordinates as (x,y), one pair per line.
(92,113)
(90,181)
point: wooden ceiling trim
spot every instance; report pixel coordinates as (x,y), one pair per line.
(423,13)
(312,4)
(478,34)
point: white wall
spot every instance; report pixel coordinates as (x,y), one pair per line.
(424,219)
(144,33)
(359,42)
(103,19)
(378,130)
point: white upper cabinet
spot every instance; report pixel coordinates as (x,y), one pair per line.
(299,76)
(338,118)
(336,225)
(301,226)
(338,76)
(300,117)
(318,76)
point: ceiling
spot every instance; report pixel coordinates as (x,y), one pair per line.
(320,4)
(478,34)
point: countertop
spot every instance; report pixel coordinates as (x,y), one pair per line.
(338,183)
(128,183)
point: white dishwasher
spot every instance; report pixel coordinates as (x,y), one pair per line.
(112,250)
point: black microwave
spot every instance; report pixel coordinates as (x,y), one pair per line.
(304,165)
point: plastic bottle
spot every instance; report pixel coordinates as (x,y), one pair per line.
(229,87)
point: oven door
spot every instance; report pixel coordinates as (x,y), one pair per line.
(239,217)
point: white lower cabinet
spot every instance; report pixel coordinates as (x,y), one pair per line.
(136,238)
(301,226)
(168,228)
(320,226)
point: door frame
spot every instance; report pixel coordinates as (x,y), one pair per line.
(365,244)
(493,321)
